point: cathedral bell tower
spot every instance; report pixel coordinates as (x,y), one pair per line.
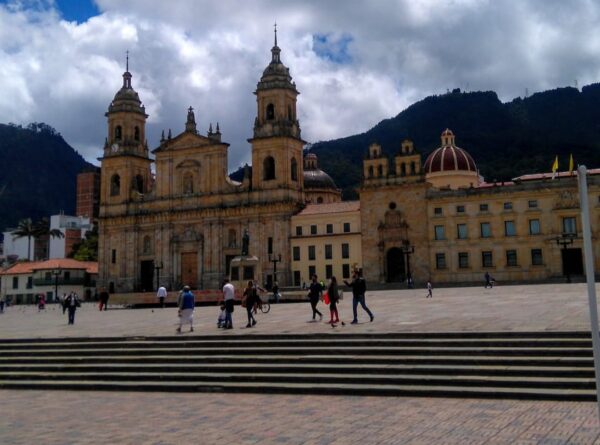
(277,144)
(125,163)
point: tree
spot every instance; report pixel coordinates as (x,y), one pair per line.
(43,230)
(87,249)
(25,228)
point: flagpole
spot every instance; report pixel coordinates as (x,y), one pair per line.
(589,272)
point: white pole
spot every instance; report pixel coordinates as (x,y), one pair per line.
(589,272)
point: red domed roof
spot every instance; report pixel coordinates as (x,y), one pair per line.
(449,157)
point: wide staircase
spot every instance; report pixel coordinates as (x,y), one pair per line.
(535,365)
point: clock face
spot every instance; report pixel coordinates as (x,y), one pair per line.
(115,147)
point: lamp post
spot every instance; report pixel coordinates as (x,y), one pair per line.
(56,273)
(275,259)
(158,268)
(408,250)
(564,240)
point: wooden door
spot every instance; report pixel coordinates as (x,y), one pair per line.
(189,269)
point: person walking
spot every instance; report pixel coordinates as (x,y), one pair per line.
(161,295)
(334,296)
(228,298)
(488,280)
(250,299)
(429,290)
(186,305)
(276,294)
(71,304)
(103,299)
(359,288)
(315,290)
(1,304)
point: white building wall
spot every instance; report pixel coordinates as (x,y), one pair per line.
(17,246)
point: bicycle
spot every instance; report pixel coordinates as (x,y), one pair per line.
(264,306)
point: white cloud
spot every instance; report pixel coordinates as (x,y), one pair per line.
(211,54)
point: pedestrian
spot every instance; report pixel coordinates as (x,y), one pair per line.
(359,289)
(276,294)
(186,305)
(161,295)
(429,289)
(1,304)
(103,299)
(64,301)
(488,280)
(315,290)
(228,298)
(334,296)
(71,303)
(222,315)
(41,302)
(409,281)
(250,299)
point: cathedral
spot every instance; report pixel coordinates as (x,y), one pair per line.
(185,222)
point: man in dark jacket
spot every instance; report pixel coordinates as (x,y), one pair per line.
(72,302)
(359,288)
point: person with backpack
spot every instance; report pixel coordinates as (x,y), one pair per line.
(359,288)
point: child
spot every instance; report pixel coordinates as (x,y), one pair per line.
(221,319)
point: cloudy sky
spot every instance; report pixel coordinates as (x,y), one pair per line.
(355,62)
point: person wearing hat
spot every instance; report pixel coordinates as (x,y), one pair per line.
(186,304)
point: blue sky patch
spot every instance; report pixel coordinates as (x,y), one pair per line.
(333,47)
(77,10)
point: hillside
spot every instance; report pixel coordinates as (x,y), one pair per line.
(38,174)
(505,139)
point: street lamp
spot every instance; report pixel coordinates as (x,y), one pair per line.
(564,240)
(407,249)
(158,268)
(56,273)
(274,259)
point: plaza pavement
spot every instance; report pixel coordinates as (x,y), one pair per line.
(62,417)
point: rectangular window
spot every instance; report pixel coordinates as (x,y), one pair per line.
(536,257)
(329,228)
(15,283)
(298,230)
(67,276)
(328,251)
(534,226)
(346,227)
(511,258)
(508,206)
(463,260)
(569,225)
(486,259)
(113,256)
(235,273)
(483,207)
(532,203)
(311,271)
(297,278)
(296,253)
(439,232)
(437,211)
(509,228)
(328,271)
(461,231)
(270,245)
(345,250)
(440,260)
(29,282)
(345,271)
(486,230)
(460,209)
(313,230)
(311,253)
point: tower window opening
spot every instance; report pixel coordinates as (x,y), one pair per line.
(290,116)
(270,112)
(118,132)
(139,183)
(370,171)
(403,169)
(115,185)
(294,169)
(380,170)
(413,169)
(137,133)
(269,168)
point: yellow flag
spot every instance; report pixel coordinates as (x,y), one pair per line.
(571,164)
(555,167)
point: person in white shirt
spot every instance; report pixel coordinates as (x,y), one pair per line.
(228,297)
(162,294)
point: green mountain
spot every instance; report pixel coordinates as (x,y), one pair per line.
(505,139)
(38,174)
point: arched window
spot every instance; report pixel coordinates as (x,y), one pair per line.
(136,134)
(188,183)
(115,185)
(412,168)
(147,247)
(232,241)
(118,132)
(403,169)
(370,171)
(380,170)
(270,112)
(268,168)
(139,183)
(294,169)
(320,200)
(290,117)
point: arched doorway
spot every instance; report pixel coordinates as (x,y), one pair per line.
(396,269)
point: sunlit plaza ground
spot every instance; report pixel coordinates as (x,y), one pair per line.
(109,417)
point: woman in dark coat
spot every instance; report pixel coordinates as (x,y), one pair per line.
(251,298)
(333,294)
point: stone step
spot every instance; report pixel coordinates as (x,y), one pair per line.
(312,388)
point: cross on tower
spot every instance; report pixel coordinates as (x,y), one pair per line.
(127,60)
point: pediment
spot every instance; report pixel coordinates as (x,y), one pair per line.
(188,140)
